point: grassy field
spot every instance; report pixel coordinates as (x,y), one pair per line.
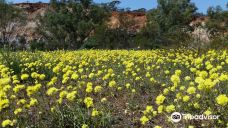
(98,88)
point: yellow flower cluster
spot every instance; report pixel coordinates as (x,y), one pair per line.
(222,99)
(88,102)
(160,99)
(8,122)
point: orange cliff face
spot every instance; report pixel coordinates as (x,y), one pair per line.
(31,7)
(137,19)
(199,21)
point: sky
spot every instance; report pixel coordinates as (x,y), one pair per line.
(202,5)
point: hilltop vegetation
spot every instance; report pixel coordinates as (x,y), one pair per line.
(83,24)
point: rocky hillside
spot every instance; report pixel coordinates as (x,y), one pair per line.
(32,10)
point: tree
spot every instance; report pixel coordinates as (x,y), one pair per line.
(168,22)
(214,12)
(10,18)
(173,13)
(149,36)
(142,10)
(217,26)
(53,3)
(70,25)
(113,5)
(218,20)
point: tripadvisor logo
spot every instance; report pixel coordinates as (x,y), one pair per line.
(176,117)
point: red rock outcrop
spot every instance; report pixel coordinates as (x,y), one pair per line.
(32,10)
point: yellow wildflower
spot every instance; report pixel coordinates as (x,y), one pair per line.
(7,122)
(71,96)
(97,89)
(51,91)
(191,90)
(160,108)
(19,110)
(222,99)
(186,98)
(4,103)
(33,102)
(17,88)
(24,76)
(160,99)
(144,120)
(170,108)
(89,87)
(74,76)
(112,83)
(85,126)
(42,77)
(62,94)
(88,102)
(95,113)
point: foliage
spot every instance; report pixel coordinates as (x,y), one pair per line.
(37,45)
(219,42)
(141,10)
(218,21)
(114,5)
(174,14)
(149,36)
(71,23)
(168,24)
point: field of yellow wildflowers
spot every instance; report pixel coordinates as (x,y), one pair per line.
(119,88)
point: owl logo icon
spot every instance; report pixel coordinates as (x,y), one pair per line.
(176,117)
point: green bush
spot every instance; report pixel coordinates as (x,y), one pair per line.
(220,42)
(37,45)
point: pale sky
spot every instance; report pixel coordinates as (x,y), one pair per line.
(202,5)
